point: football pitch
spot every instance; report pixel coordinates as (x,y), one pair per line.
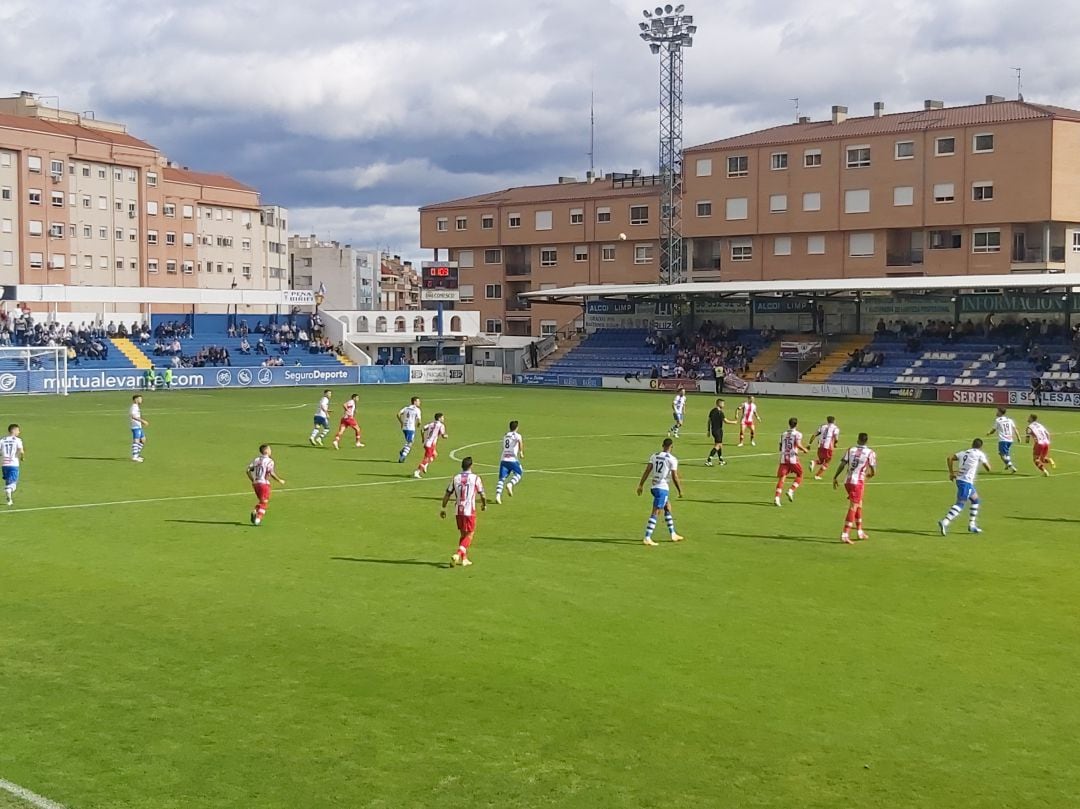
(158,651)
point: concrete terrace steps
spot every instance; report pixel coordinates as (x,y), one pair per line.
(835,359)
(133,353)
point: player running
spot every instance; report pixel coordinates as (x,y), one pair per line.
(748,417)
(513,451)
(409,417)
(11,457)
(464,488)
(432,432)
(790,446)
(260,472)
(861,464)
(1040,437)
(1007,433)
(717,420)
(827,436)
(969,462)
(662,467)
(348,421)
(678,412)
(322,420)
(138,428)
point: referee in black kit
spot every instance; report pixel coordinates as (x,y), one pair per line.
(717,420)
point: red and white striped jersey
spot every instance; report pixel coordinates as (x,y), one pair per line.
(433,431)
(1038,433)
(465,486)
(789,446)
(349,408)
(749,412)
(859,461)
(261,468)
(828,435)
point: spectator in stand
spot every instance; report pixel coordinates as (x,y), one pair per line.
(260,347)
(245,346)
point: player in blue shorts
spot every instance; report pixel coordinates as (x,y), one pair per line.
(513,451)
(322,420)
(963,467)
(1007,433)
(11,456)
(662,467)
(410,418)
(138,428)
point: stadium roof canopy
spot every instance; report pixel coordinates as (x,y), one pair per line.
(831,287)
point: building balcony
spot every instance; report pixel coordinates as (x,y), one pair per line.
(518,306)
(1034,255)
(903,258)
(518,271)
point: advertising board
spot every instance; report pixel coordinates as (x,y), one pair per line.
(973,396)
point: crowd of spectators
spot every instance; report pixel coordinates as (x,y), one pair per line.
(861,358)
(713,349)
(82,342)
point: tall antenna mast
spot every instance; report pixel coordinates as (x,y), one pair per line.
(1019,83)
(796,101)
(592,132)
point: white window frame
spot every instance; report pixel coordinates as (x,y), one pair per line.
(778,203)
(741,249)
(941,140)
(57,199)
(808,203)
(577,216)
(703,167)
(152,265)
(36,260)
(737,171)
(151,207)
(461,223)
(778,161)
(603,215)
(813,241)
(607,251)
(809,161)
(581,253)
(33,164)
(856,161)
(151,179)
(498,255)
(643,254)
(857,201)
(543,220)
(975,142)
(637,219)
(493,292)
(1076,241)
(903,196)
(944,193)
(33,196)
(513,220)
(151,237)
(466,259)
(442,224)
(487,222)
(551,259)
(781,245)
(896,150)
(35,227)
(986,247)
(864,238)
(703,208)
(978,191)
(736,209)
(493,325)
(187,212)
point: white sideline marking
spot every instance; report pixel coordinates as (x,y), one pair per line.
(72,506)
(31,798)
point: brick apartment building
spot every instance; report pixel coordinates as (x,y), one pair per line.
(983,188)
(82,202)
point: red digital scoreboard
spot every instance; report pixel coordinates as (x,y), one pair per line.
(439,281)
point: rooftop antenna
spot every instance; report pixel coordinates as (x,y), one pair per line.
(796,102)
(1019,83)
(592,132)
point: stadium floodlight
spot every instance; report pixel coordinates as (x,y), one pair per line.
(668,32)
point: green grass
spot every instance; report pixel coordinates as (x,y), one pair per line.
(162,652)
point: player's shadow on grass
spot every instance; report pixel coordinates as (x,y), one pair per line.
(237,523)
(414,562)
(726,502)
(600,540)
(784,537)
(1042,519)
(89,458)
(907,531)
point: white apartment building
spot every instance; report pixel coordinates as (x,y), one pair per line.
(348,275)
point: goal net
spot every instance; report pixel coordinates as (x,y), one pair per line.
(21,365)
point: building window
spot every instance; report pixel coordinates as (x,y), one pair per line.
(703,167)
(103,232)
(549,257)
(56,168)
(189,267)
(151,237)
(861,244)
(643,254)
(170,238)
(944,146)
(7,258)
(169,209)
(466,259)
(982,191)
(5,226)
(103,262)
(87,231)
(603,215)
(101,173)
(87,201)
(152,265)
(782,246)
(905,149)
(466,292)
(37,261)
(5,159)
(639,214)
(945,240)
(742,249)
(118,234)
(811,201)
(119,264)
(736,208)
(777,203)
(245,270)
(33,164)
(778,161)
(738,166)
(229,268)
(577,216)
(188,212)
(5,193)
(982,143)
(85,170)
(151,180)
(33,196)
(56,231)
(607,252)
(903,195)
(132,176)
(581,253)
(513,220)
(133,235)
(118,175)
(857,200)
(493,256)
(493,326)
(548,327)
(245,244)
(442,224)
(57,199)
(986,241)
(815,245)
(704,208)
(1076,241)
(944,192)
(543,220)
(858,157)
(493,292)
(461,223)
(189,240)
(811,158)
(151,207)
(487,222)
(35,227)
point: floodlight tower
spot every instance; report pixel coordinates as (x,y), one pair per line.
(668,32)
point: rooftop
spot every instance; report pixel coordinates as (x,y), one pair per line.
(178,175)
(996,112)
(76,131)
(553,192)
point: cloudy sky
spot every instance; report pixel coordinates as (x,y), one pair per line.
(353,114)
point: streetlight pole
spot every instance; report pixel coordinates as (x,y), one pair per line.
(668,32)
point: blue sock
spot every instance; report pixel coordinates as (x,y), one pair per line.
(650,526)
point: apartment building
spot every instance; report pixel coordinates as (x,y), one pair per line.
(82,202)
(542,237)
(399,285)
(348,277)
(983,188)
